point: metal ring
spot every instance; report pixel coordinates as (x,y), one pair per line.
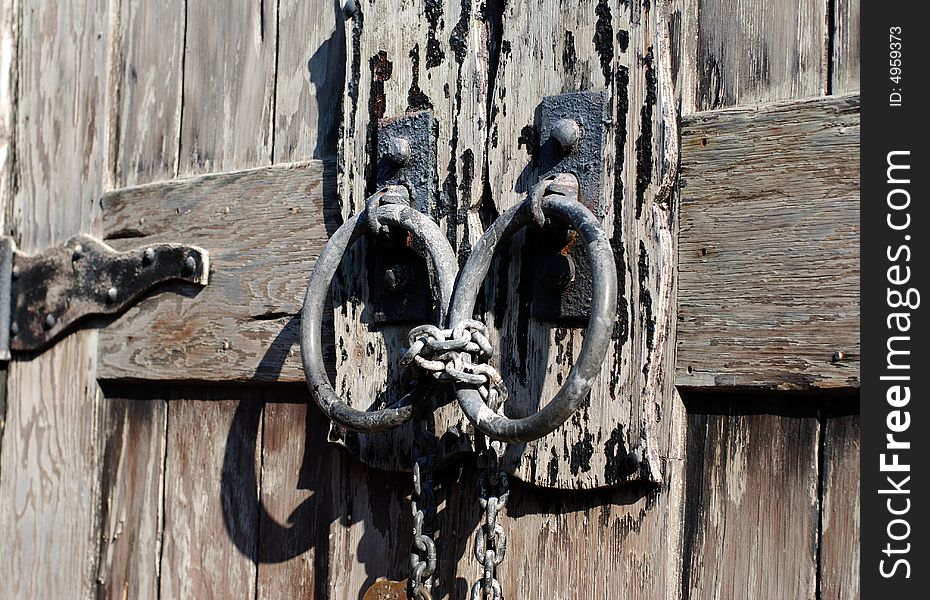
(430,241)
(596,337)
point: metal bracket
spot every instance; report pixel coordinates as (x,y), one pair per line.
(407,157)
(573,139)
(42,296)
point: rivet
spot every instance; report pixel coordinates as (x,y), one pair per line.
(50,321)
(148,256)
(14,328)
(112,294)
(838,356)
(398,150)
(349,7)
(559,271)
(567,134)
(77,252)
(190,263)
(632,460)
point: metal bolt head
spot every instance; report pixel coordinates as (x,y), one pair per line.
(398,151)
(395,278)
(50,321)
(77,252)
(15,273)
(14,328)
(558,271)
(838,356)
(567,134)
(112,295)
(190,264)
(148,256)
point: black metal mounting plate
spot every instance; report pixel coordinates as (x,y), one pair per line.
(407,157)
(52,290)
(562,275)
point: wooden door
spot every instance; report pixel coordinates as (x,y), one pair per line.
(175,452)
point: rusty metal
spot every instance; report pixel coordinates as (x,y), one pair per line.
(432,245)
(49,292)
(559,202)
(574,140)
(386,590)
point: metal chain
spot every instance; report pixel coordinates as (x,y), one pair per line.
(490,538)
(460,355)
(422,548)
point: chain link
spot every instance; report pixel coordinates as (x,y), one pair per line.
(422,547)
(460,355)
(490,538)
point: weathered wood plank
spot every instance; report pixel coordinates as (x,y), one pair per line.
(769,247)
(49,467)
(299,471)
(839,510)
(404,56)
(149,53)
(211,493)
(310,79)
(751,528)
(845,46)
(229,74)
(132,493)
(243,325)
(759,52)
(623,48)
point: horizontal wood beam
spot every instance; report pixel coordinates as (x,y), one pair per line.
(768,265)
(264,229)
(769,247)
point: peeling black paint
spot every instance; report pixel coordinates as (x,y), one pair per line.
(356,68)
(581,454)
(433,13)
(569,59)
(623,38)
(645,301)
(458,40)
(468,177)
(621,332)
(615,451)
(381,70)
(416,99)
(530,138)
(553,468)
(604,38)
(524,298)
(644,155)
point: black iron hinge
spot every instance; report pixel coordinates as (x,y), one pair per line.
(43,295)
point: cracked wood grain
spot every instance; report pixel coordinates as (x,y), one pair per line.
(783,310)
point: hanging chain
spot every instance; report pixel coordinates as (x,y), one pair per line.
(423,508)
(490,538)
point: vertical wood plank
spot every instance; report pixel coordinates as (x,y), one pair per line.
(132,493)
(229,74)
(753,52)
(211,493)
(49,467)
(310,79)
(839,542)
(148,48)
(845,46)
(751,525)
(622,48)
(149,53)
(300,471)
